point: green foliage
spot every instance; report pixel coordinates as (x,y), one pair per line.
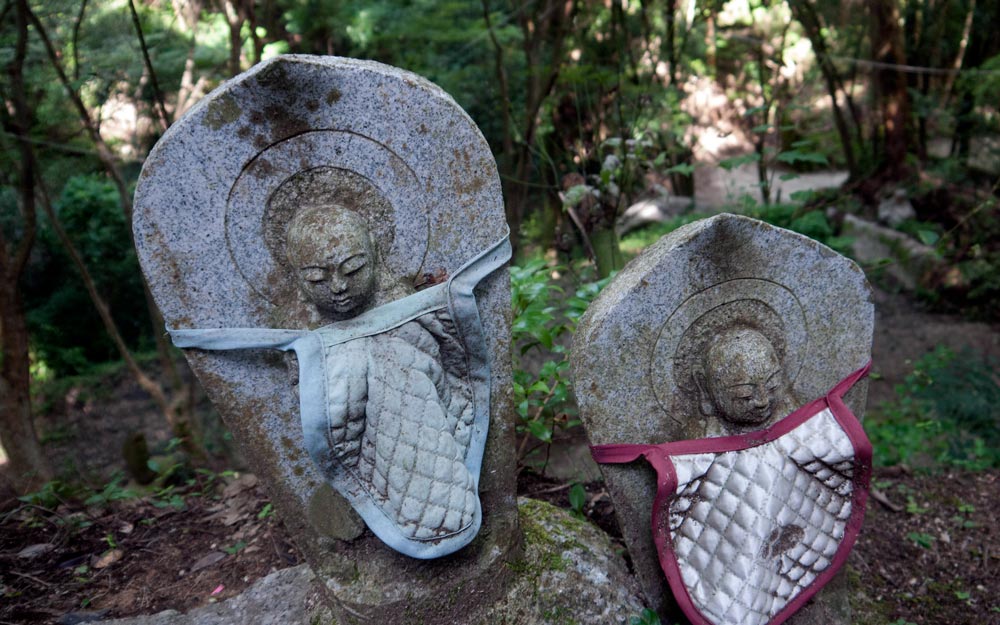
(50,495)
(646,617)
(114,490)
(920,539)
(946,413)
(577,499)
(66,332)
(811,222)
(266,511)
(638,240)
(542,315)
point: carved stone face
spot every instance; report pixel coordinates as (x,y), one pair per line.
(740,378)
(331,251)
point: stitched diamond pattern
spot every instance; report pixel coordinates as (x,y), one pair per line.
(752,528)
(408,460)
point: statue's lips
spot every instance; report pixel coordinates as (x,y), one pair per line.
(755,416)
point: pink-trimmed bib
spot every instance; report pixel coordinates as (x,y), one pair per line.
(749,527)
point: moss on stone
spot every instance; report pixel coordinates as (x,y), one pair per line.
(222,111)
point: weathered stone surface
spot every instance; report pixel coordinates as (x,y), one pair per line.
(569,573)
(211,242)
(289,596)
(705,297)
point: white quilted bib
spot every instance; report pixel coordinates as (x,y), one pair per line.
(749,527)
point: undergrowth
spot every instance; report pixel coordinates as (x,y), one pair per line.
(544,317)
(946,414)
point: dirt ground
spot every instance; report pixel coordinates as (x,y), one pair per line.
(929,552)
(137,556)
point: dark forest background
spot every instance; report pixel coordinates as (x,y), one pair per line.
(590,107)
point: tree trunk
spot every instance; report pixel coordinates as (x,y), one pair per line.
(174,411)
(27,465)
(235,20)
(543,32)
(806,15)
(607,251)
(892,98)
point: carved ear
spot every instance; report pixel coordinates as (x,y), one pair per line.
(705,403)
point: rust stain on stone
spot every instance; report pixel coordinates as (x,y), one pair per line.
(157,242)
(333,97)
(283,124)
(273,77)
(261,168)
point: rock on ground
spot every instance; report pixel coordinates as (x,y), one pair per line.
(569,572)
(285,597)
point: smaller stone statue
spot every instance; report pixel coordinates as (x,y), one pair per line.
(730,357)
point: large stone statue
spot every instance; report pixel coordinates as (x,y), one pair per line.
(723,356)
(349,214)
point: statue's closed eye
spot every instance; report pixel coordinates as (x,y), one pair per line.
(313,274)
(352,264)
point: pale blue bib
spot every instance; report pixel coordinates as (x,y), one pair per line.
(395,407)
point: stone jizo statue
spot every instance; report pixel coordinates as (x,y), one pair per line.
(303,206)
(720,377)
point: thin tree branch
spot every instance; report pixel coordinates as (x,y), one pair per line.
(144,381)
(508,125)
(77,23)
(161,108)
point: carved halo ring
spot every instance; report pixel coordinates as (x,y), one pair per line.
(766,306)
(339,168)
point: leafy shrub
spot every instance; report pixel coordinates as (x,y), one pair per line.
(947,412)
(542,316)
(810,222)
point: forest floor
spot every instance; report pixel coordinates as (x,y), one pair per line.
(929,552)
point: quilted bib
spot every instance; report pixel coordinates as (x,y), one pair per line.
(749,527)
(394,407)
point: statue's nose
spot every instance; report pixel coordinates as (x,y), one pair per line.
(337,283)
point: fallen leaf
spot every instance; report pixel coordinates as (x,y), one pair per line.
(109,558)
(207,560)
(33,551)
(240,484)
